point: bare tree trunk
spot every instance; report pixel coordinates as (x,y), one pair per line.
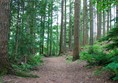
(104,22)
(110,16)
(17,31)
(70,25)
(76,29)
(107,21)
(61,31)
(85,17)
(91,23)
(64,28)
(4,31)
(99,14)
(117,15)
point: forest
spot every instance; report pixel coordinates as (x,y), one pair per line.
(58,41)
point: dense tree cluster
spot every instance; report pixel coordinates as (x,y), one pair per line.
(30,29)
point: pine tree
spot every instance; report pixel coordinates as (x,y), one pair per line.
(76,30)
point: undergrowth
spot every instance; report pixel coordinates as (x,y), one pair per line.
(31,62)
(98,55)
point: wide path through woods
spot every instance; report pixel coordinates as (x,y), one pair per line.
(58,70)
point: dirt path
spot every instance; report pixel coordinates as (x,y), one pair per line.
(57,70)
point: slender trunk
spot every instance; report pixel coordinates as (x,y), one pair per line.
(17,30)
(107,21)
(61,31)
(91,23)
(116,15)
(64,39)
(85,22)
(110,16)
(57,30)
(70,26)
(104,22)
(48,35)
(51,29)
(98,24)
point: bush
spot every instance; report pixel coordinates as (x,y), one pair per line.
(32,61)
(113,68)
(95,55)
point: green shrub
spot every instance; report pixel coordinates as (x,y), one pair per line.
(95,55)
(32,61)
(113,68)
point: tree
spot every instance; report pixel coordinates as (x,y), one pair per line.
(117,15)
(76,29)
(99,20)
(85,26)
(61,31)
(104,22)
(70,24)
(65,23)
(108,21)
(91,23)
(4,31)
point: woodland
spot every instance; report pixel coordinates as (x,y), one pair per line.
(58,41)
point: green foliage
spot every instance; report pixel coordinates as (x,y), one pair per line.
(113,68)
(95,55)
(105,4)
(112,39)
(31,62)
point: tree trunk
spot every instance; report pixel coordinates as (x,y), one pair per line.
(4,31)
(85,32)
(61,31)
(98,24)
(64,28)
(91,23)
(107,21)
(104,22)
(70,25)
(76,29)
(117,16)
(51,31)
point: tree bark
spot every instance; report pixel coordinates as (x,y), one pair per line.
(70,25)
(85,17)
(61,31)
(117,15)
(91,23)
(64,28)
(76,29)
(4,31)
(107,21)
(99,14)
(104,22)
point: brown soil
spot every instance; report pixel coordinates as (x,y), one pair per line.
(58,70)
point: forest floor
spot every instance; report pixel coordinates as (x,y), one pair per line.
(59,70)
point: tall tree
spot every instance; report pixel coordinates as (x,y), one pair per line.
(85,26)
(76,29)
(104,22)
(4,31)
(108,20)
(61,31)
(117,15)
(70,24)
(64,39)
(91,23)
(99,20)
